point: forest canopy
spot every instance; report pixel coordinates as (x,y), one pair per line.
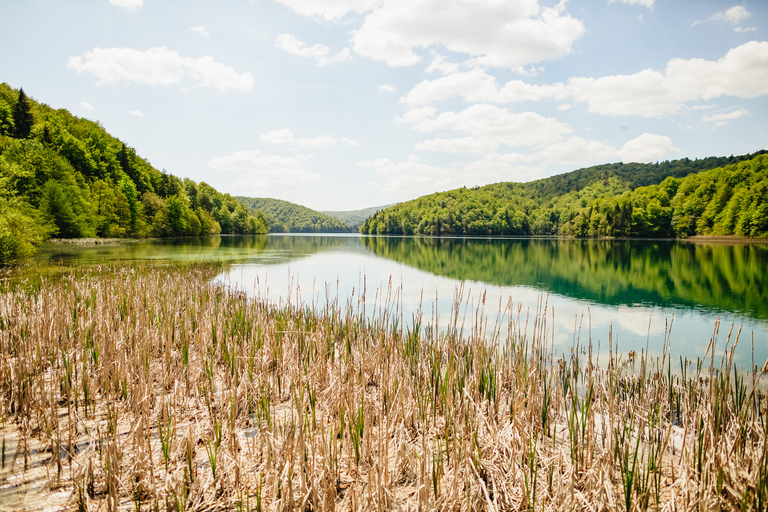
(681,198)
(285,217)
(66,177)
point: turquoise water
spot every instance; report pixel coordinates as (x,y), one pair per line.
(584,289)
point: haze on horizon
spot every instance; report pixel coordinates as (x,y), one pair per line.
(346,104)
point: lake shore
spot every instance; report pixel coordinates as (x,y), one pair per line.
(145,388)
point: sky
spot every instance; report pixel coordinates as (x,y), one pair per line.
(348,104)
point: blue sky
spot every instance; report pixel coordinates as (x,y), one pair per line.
(346,104)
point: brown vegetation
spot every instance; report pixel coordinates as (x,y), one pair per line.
(151,388)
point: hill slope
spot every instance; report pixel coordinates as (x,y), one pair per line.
(355,218)
(284,216)
(679,198)
(64,176)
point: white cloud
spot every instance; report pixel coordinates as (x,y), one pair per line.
(497,33)
(647,148)
(478,86)
(578,152)
(322,142)
(646,3)
(458,145)
(85,105)
(282,136)
(441,65)
(733,15)
(329,10)
(137,113)
(744,30)
(742,72)
(350,142)
(489,123)
(128,5)
(386,88)
(157,66)
(259,172)
(320,53)
(199,30)
(285,136)
(410,179)
(722,118)
(496,167)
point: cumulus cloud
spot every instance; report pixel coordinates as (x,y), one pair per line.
(507,34)
(320,53)
(489,123)
(386,88)
(458,145)
(322,142)
(441,65)
(258,171)
(85,105)
(647,148)
(646,3)
(329,10)
(499,34)
(128,5)
(282,136)
(578,152)
(199,30)
(478,86)
(137,113)
(285,136)
(410,178)
(742,72)
(496,167)
(350,142)
(722,118)
(158,66)
(733,15)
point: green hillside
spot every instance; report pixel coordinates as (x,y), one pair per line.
(355,218)
(713,196)
(63,176)
(286,217)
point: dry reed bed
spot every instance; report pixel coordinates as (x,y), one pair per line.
(152,389)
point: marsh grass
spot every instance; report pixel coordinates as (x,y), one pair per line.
(152,389)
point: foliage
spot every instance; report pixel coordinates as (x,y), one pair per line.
(355,218)
(64,176)
(289,217)
(679,199)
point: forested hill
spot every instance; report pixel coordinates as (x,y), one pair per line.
(63,176)
(355,218)
(285,217)
(713,196)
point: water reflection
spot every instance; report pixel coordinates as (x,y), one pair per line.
(632,288)
(717,277)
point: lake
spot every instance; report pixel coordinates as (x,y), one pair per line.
(633,289)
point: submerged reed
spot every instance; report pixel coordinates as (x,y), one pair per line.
(151,388)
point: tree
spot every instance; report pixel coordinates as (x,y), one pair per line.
(22,117)
(6,119)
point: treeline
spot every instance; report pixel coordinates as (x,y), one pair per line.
(285,217)
(63,176)
(684,201)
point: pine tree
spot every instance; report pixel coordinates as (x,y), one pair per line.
(22,117)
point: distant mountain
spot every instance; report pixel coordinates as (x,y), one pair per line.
(283,216)
(680,198)
(355,218)
(67,177)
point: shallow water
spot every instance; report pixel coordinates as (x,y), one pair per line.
(634,290)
